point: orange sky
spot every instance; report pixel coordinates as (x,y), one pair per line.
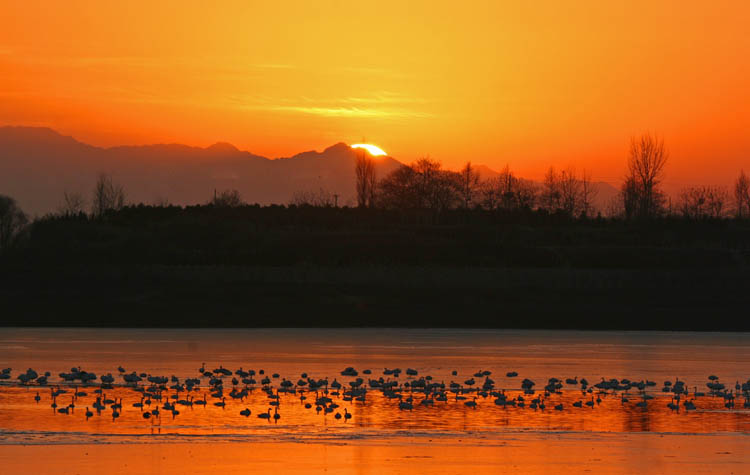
(564,83)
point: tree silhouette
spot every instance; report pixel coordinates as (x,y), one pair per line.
(108,196)
(469,184)
(422,185)
(366,180)
(227,199)
(570,192)
(702,202)
(73,204)
(588,195)
(551,197)
(318,199)
(742,196)
(12,220)
(507,192)
(642,194)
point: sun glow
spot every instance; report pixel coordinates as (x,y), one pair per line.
(372,149)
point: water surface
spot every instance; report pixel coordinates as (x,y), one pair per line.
(324,353)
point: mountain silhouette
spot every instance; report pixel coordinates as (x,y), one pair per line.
(38,165)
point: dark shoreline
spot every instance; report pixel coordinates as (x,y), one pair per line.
(340,267)
(297,297)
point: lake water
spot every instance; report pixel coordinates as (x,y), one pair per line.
(324,353)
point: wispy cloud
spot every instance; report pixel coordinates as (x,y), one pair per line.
(381,104)
(365,71)
(350,112)
(384,97)
(274,66)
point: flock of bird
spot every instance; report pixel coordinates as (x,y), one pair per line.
(161,395)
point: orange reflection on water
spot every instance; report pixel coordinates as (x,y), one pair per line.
(25,420)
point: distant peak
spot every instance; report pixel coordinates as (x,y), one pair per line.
(341,146)
(223,147)
(35,134)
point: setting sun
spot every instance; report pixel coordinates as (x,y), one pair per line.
(375,151)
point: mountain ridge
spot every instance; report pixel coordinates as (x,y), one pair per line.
(38,165)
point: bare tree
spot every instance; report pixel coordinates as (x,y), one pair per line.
(398,190)
(615,206)
(319,199)
(588,195)
(421,185)
(12,220)
(506,188)
(551,197)
(227,199)
(702,202)
(108,196)
(469,184)
(646,162)
(570,191)
(629,195)
(742,196)
(436,189)
(527,193)
(73,204)
(489,193)
(366,180)
(508,192)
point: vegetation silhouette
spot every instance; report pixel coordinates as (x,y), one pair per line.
(423,247)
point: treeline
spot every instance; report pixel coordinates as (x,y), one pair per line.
(425,185)
(212,234)
(425,192)
(102,261)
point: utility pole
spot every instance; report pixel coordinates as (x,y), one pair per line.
(335,200)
